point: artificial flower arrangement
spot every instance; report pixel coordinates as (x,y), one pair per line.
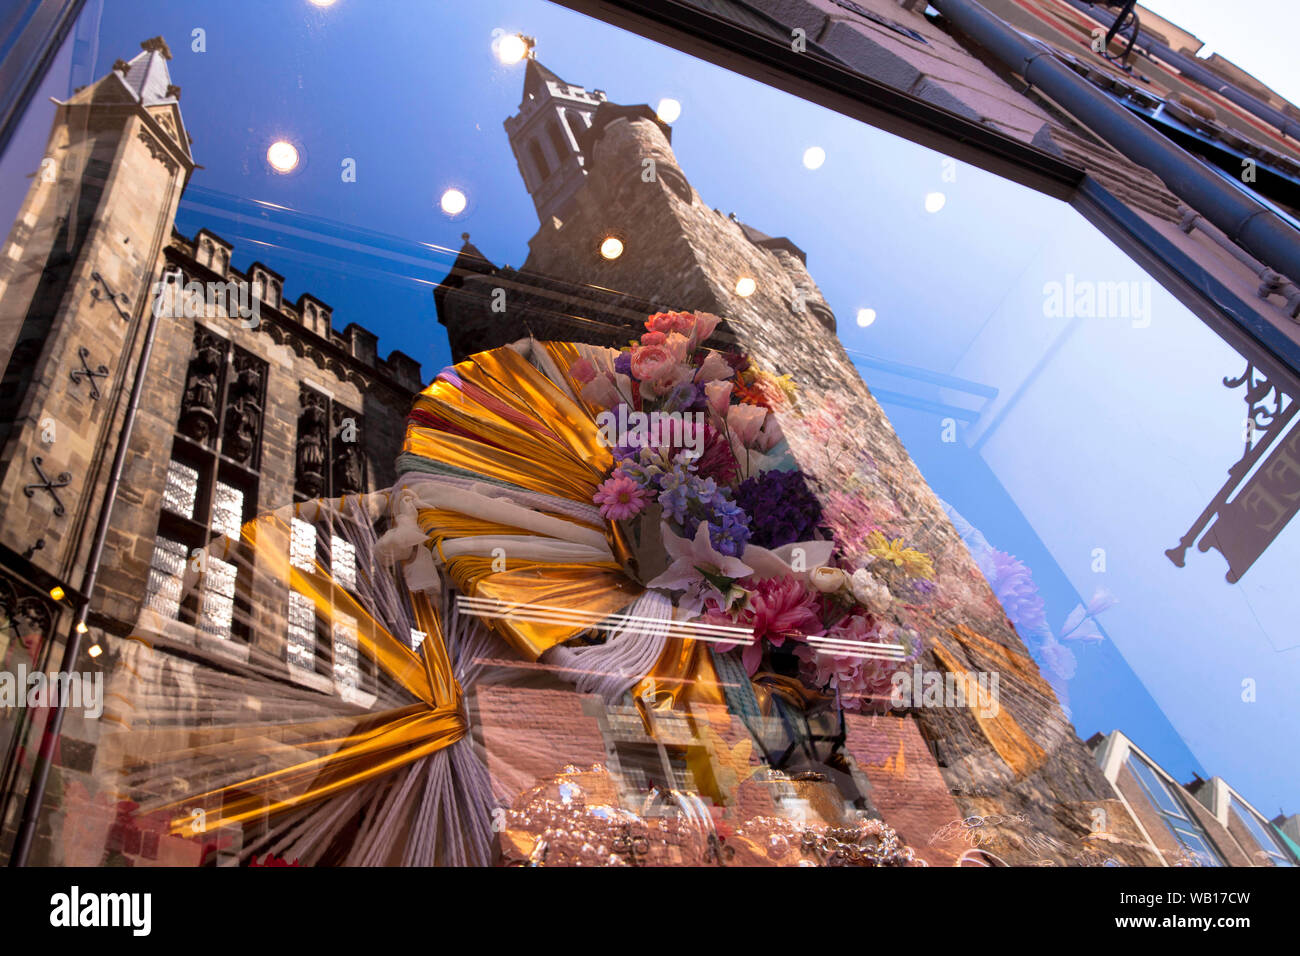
(704,477)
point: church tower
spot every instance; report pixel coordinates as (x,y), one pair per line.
(546,136)
(75,283)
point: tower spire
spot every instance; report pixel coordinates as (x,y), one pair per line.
(546,134)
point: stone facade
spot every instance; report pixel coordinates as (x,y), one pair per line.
(92,255)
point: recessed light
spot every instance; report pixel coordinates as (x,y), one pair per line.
(95,650)
(283,156)
(612,247)
(866,317)
(813,157)
(511,49)
(669,110)
(453,202)
(934,201)
(745,286)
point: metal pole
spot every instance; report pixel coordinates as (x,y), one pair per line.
(40,775)
(1250,224)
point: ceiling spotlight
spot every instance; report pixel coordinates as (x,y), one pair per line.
(934,201)
(866,317)
(95,649)
(56,593)
(81,627)
(512,48)
(669,110)
(612,247)
(745,286)
(453,202)
(283,156)
(813,157)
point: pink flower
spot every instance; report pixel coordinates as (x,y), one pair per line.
(714,368)
(678,346)
(620,497)
(779,608)
(744,422)
(770,435)
(650,362)
(671,322)
(718,395)
(653,338)
(705,323)
(672,376)
(583,371)
(859,682)
(602,391)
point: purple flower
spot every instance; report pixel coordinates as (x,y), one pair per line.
(685,397)
(623,364)
(1013,584)
(784,509)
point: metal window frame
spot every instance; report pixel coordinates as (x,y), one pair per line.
(1193,826)
(28,57)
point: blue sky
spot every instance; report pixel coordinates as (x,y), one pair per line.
(1107,435)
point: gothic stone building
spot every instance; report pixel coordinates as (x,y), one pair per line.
(243,411)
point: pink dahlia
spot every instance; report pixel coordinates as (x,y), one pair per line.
(779,608)
(620,497)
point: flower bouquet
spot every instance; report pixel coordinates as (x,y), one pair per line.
(703,479)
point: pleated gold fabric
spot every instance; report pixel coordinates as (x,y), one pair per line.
(329,762)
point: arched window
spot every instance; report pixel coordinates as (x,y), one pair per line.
(205,252)
(539,159)
(559,141)
(577,121)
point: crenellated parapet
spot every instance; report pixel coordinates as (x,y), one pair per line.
(305,325)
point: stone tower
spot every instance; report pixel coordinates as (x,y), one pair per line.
(546,136)
(251,401)
(1023,766)
(75,283)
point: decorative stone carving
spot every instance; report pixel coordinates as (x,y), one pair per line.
(202,386)
(158,151)
(244,411)
(349,465)
(313,442)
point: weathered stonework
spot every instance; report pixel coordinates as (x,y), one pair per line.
(90,248)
